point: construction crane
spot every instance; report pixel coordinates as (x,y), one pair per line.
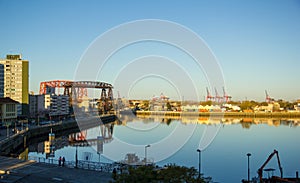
(268,98)
(208,96)
(225,96)
(260,170)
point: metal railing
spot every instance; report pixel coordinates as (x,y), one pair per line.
(89,165)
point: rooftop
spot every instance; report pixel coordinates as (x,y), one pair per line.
(7,100)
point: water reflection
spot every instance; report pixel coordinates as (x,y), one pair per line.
(245,122)
(103,134)
(50,146)
(229,148)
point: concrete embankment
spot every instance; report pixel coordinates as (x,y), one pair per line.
(16,142)
(221,114)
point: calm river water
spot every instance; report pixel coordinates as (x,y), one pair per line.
(224,144)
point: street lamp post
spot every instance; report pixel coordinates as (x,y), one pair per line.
(146,153)
(7,130)
(199,151)
(248,154)
(76,158)
(99,157)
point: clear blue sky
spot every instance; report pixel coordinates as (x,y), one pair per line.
(257,43)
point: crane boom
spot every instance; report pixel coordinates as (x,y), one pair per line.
(260,170)
(207,92)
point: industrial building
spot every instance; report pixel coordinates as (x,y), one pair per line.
(16,81)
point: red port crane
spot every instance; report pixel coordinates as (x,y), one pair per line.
(218,98)
(208,96)
(268,98)
(225,96)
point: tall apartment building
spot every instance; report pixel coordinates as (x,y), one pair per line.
(16,76)
(1,80)
(59,105)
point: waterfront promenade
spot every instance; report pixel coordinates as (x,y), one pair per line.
(17,171)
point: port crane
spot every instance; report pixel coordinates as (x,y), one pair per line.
(218,98)
(260,170)
(225,96)
(268,98)
(208,95)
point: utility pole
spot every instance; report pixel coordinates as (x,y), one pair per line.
(248,154)
(146,153)
(199,161)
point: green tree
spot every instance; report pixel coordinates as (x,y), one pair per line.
(248,104)
(174,173)
(140,174)
(286,105)
(145,105)
(233,102)
(206,103)
(169,107)
(263,104)
(170,173)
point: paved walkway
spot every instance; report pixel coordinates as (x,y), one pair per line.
(13,170)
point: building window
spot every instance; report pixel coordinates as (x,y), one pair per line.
(10,108)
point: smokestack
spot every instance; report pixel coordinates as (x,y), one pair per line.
(297,175)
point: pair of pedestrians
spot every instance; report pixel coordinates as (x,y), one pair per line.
(61,161)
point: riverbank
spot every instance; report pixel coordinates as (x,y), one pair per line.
(221,114)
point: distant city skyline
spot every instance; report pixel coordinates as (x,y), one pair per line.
(256,43)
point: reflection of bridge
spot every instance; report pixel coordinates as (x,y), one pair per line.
(89,142)
(80,138)
(76,90)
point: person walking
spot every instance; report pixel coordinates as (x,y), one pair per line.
(63,161)
(114,174)
(59,161)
